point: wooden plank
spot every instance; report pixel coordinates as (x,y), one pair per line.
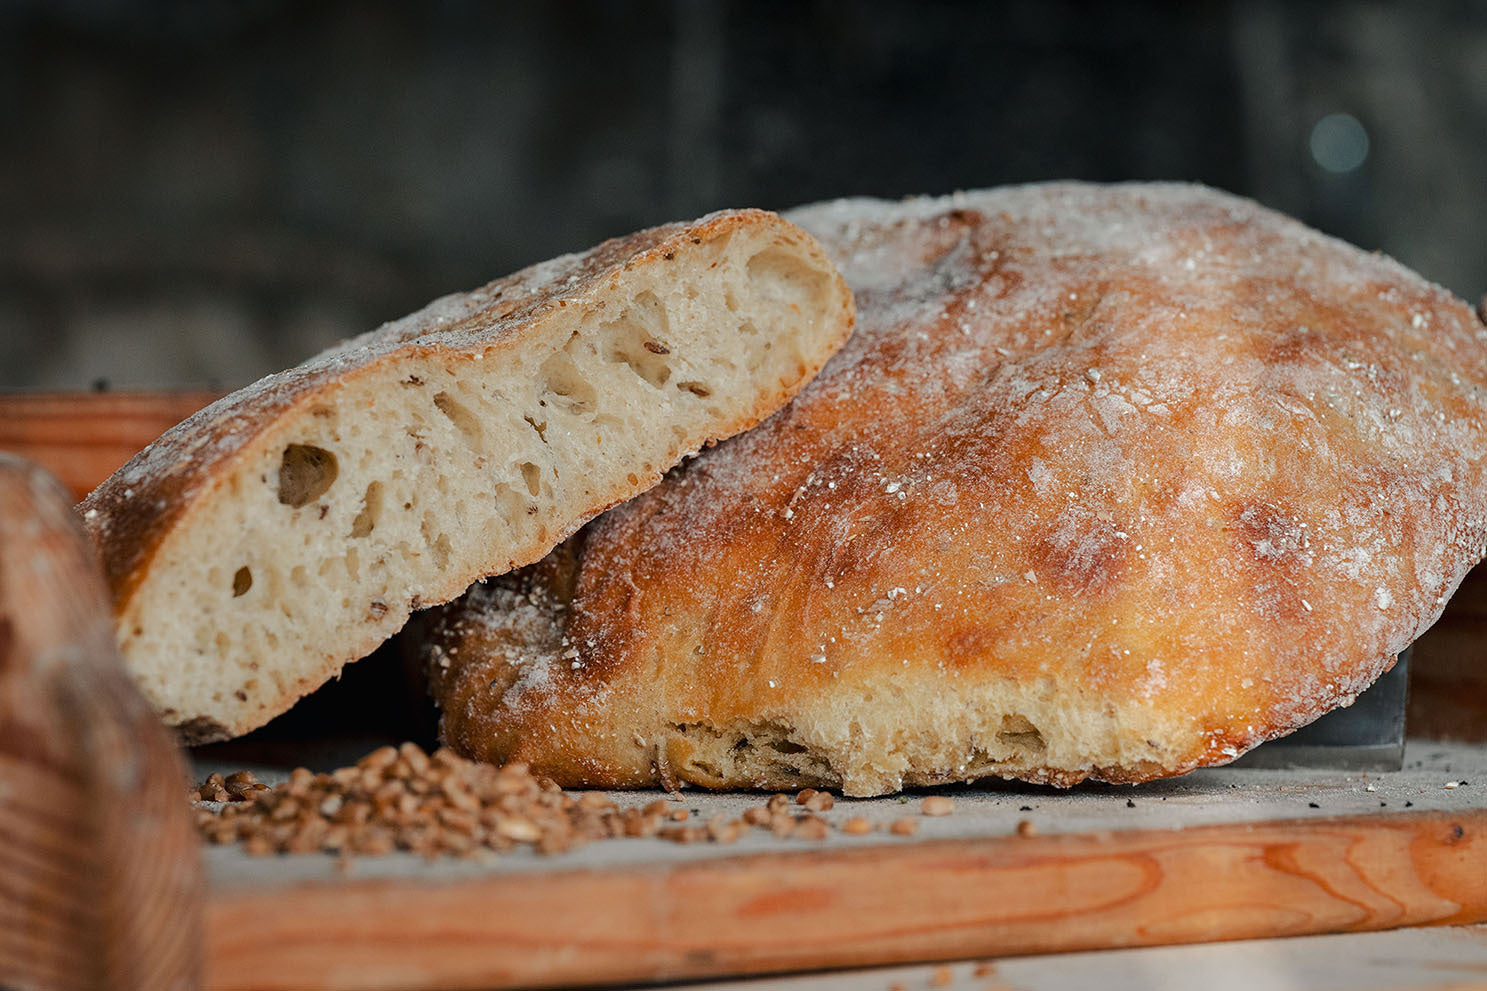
(82,438)
(873,905)
(1438,958)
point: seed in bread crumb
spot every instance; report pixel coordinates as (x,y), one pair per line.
(857,826)
(903,827)
(937,805)
(941,977)
(1025,827)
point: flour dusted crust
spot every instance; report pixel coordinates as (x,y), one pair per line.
(1110,482)
(291,527)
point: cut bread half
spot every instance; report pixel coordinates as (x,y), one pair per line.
(293,526)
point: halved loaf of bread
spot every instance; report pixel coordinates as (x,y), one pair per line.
(291,527)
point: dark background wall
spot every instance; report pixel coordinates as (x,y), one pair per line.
(200,193)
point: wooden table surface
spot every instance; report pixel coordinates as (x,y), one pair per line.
(1219,854)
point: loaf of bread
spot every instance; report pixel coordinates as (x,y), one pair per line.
(291,527)
(1111,482)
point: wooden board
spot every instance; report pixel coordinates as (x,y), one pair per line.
(82,438)
(1219,855)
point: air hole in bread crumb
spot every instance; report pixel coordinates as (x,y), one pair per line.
(637,338)
(371,510)
(306,472)
(466,422)
(541,428)
(438,542)
(511,504)
(1017,731)
(780,276)
(242,580)
(532,475)
(562,379)
(696,389)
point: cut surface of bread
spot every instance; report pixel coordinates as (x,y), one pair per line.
(1110,482)
(291,527)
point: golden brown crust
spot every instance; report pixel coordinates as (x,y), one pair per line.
(1111,482)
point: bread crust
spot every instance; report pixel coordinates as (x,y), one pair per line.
(159,503)
(1111,482)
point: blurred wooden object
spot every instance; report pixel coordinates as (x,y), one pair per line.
(100,877)
(84,437)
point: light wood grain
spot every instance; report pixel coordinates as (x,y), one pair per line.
(100,881)
(82,438)
(874,905)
